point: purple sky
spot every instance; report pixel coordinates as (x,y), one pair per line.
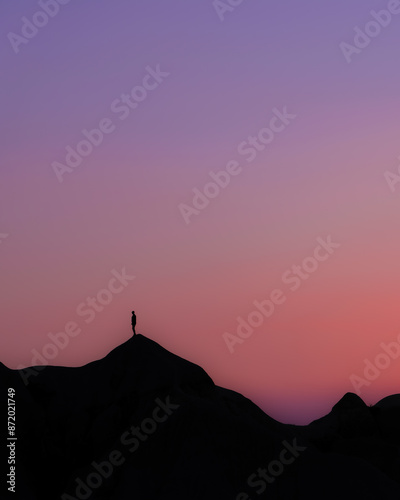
(219,85)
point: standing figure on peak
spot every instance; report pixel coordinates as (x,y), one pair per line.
(134,322)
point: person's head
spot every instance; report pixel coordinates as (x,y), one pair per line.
(133,312)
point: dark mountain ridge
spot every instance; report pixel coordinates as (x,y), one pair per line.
(144,423)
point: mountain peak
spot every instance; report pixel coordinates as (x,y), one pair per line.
(349,401)
(143,421)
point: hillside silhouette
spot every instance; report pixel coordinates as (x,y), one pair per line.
(146,424)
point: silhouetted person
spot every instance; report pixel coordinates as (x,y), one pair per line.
(134,322)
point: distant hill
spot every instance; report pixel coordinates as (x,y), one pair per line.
(144,424)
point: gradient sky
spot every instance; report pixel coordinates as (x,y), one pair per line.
(324,175)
